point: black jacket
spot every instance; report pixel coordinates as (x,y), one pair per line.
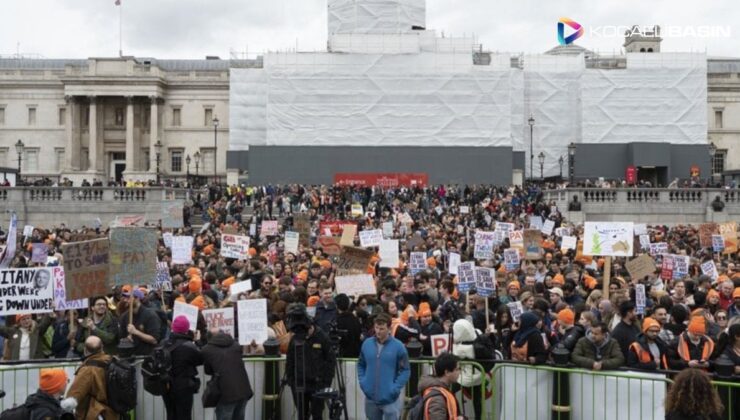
(43,406)
(625,335)
(351,340)
(315,363)
(429,330)
(633,361)
(186,358)
(572,336)
(146,321)
(679,416)
(223,356)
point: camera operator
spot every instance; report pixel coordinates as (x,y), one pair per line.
(310,362)
(349,328)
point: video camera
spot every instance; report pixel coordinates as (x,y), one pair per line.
(297,320)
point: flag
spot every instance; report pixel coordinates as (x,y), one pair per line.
(11,242)
(118,2)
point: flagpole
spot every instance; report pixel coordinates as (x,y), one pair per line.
(120,29)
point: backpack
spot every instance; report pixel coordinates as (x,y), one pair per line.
(156,368)
(120,384)
(484,350)
(21,412)
(415,407)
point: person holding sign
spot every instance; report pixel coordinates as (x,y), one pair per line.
(428,328)
(100,323)
(528,345)
(24,338)
(145,328)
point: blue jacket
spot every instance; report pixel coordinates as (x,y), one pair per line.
(383,376)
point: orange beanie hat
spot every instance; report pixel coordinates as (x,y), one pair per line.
(558,280)
(252,252)
(312,301)
(590,282)
(52,381)
(303,275)
(514,285)
(697,325)
(199,302)
(431,262)
(228,282)
(649,323)
(566,316)
(21,316)
(424,309)
(736,293)
(195,285)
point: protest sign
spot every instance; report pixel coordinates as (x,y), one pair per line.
(640,267)
(27,231)
(547,227)
(640,299)
(26,291)
(302,225)
(498,237)
(645,242)
(269,228)
(466,276)
(483,245)
(389,253)
(39,252)
(533,244)
(511,259)
(291,242)
(234,246)
(188,311)
(387,229)
(488,219)
(710,269)
(127,220)
(640,229)
(171,215)
(334,226)
(353,260)
(371,237)
(348,235)
(163,280)
(167,239)
(718,243)
(569,242)
(439,210)
(706,230)
(535,222)
(728,230)
(11,242)
(485,281)
(464,209)
(220,319)
(330,245)
(658,248)
(60,296)
(238,288)
(355,285)
(516,309)
(252,321)
(680,266)
(440,344)
(516,239)
(417,262)
(252,229)
(666,268)
(504,227)
(562,232)
(608,239)
(133,255)
(86,268)
(182,249)
(356,210)
(453,261)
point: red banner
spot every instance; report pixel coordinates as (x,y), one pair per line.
(334,226)
(382,179)
(630,175)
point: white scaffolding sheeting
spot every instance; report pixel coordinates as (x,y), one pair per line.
(375,16)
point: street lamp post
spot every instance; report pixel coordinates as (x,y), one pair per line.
(531,144)
(560,162)
(712,152)
(158,148)
(541,159)
(196,156)
(571,162)
(215,148)
(19,147)
(187,163)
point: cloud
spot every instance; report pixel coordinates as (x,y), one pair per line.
(195,28)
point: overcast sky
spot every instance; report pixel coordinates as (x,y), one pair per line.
(196,28)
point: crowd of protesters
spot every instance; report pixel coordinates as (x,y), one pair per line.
(687,322)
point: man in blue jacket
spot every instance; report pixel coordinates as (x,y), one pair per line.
(383,370)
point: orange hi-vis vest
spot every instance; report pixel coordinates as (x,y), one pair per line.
(683,348)
(644,356)
(450,402)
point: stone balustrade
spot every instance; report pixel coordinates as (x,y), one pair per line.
(81,206)
(647,205)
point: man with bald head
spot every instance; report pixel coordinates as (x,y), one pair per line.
(88,391)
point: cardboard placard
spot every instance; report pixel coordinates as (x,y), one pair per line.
(133,255)
(269,228)
(60,296)
(356,210)
(389,253)
(302,225)
(608,239)
(220,319)
(171,214)
(706,230)
(387,230)
(348,235)
(453,262)
(485,281)
(26,291)
(533,244)
(718,243)
(163,281)
(182,249)
(466,276)
(370,238)
(188,311)
(291,242)
(252,321)
(238,288)
(355,285)
(516,239)
(39,252)
(330,245)
(234,246)
(511,259)
(640,267)
(353,260)
(484,243)
(417,262)
(86,270)
(548,227)
(27,231)
(440,344)
(728,230)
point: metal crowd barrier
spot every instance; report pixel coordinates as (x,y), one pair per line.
(516,391)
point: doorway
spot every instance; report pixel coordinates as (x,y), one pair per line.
(117,165)
(656,175)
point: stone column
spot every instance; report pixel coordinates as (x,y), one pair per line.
(93,135)
(154,135)
(130,161)
(70,143)
(72,147)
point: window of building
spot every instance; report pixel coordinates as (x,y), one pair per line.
(718,161)
(176,160)
(208,120)
(718,118)
(146,120)
(2,115)
(145,159)
(176,117)
(32,116)
(31,160)
(4,157)
(86,120)
(119,117)
(208,161)
(62,116)
(59,162)
(650,50)
(642,49)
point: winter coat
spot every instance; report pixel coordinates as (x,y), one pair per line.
(318,361)
(587,352)
(37,331)
(89,389)
(223,356)
(625,334)
(186,358)
(463,331)
(640,357)
(146,321)
(107,331)
(437,405)
(43,406)
(351,341)
(382,376)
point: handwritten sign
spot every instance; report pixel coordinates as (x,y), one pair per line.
(355,285)
(568,242)
(389,253)
(453,261)
(60,297)
(708,268)
(27,231)
(484,243)
(640,229)
(387,229)
(171,214)
(220,319)
(291,242)
(645,242)
(371,237)
(728,230)
(535,222)
(188,311)
(640,299)
(466,276)
(238,288)
(356,210)
(706,231)
(485,281)
(658,248)
(516,309)
(353,260)
(133,255)
(234,246)
(86,268)
(330,245)
(182,249)
(548,227)
(532,244)
(511,259)
(718,243)
(348,235)
(269,228)
(26,291)
(417,262)
(608,238)
(440,344)
(302,225)
(640,267)
(516,239)
(252,321)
